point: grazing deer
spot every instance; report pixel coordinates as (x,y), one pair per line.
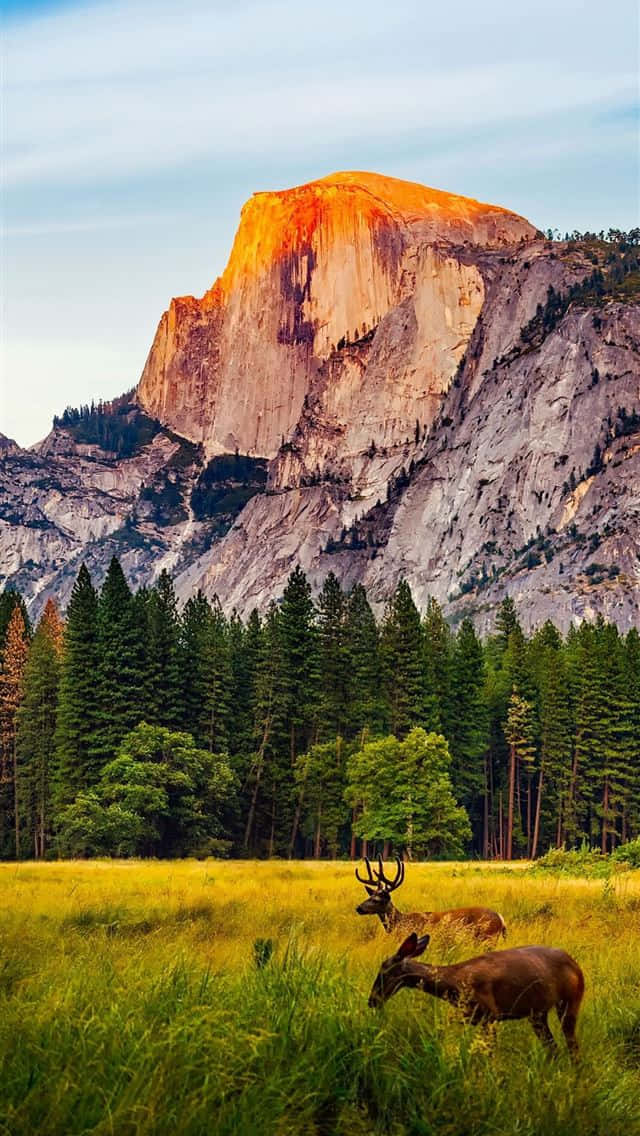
(482,921)
(524,982)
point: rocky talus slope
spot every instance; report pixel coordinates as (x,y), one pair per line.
(386,382)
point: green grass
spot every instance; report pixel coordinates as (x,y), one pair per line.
(131,1002)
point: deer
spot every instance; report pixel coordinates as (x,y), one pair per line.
(523,982)
(482,921)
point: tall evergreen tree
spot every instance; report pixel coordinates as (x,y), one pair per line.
(11,598)
(410,701)
(519,734)
(269,806)
(365,700)
(506,622)
(163,650)
(300,673)
(468,739)
(12,668)
(439,662)
(333,659)
(122,679)
(554,769)
(36,723)
(193,626)
(215,712)
(77,701)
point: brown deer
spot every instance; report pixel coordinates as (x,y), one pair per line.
(524,982)
(482,921)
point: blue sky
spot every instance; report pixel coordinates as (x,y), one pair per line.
(133,131)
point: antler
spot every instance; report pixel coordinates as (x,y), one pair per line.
(391,885)
(371,882)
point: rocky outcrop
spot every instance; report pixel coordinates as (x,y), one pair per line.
(386,382)
(313,268)
(527,482)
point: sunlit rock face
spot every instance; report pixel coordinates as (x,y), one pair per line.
(312,270)
(355,395)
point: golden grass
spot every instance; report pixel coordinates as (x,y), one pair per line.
(115,975)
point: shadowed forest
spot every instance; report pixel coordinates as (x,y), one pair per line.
(133,728)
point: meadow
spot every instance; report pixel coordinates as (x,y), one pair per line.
(136,997)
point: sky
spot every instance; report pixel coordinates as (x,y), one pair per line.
(134,130)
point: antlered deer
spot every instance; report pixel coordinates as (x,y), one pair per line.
(524,982)
(482,921)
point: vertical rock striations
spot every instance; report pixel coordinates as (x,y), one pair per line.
(313,269)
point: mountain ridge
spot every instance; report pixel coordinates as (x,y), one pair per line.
(426,397)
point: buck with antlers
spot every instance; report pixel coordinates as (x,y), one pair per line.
(524,982)
(482,921)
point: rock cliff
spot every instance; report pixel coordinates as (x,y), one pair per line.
(385,381)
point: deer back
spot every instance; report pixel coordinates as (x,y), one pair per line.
(515,983)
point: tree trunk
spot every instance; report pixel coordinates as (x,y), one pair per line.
(492,819)
(16,809)
(512,785)
(385,849)
(571,796)
(536,823)
(528,817)
(252,806)
(605,814)
(354,839)
(485,819)
(318,839)
(272,833)
(256,787)
(296,823)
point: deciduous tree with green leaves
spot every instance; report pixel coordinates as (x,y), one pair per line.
(402,793)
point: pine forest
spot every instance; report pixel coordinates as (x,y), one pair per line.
(133,728)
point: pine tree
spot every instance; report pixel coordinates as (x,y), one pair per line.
(300,673)
(519,735)
(265,786)
(10,599)
(193,626)
(12,668)
(439,652)
(215,714)
(77,700)
(506,622)
(555,742)
(631,817)
(122,679)
(36,723)
(333,659)
(164,661)
(469,726)
(244,652)
(365,701)
(410,702)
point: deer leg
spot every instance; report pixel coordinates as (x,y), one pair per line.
(542,1031)
(568,1015)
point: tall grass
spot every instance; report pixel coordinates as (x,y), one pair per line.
(141,998)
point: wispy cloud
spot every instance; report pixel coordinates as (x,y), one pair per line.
(134,129)
(111,91)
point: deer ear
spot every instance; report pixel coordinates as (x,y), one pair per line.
(408,947)
(421,946)
(370,890)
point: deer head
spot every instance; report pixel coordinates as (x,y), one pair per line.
(379,888)
(396,971)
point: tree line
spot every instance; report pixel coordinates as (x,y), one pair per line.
(134,728)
